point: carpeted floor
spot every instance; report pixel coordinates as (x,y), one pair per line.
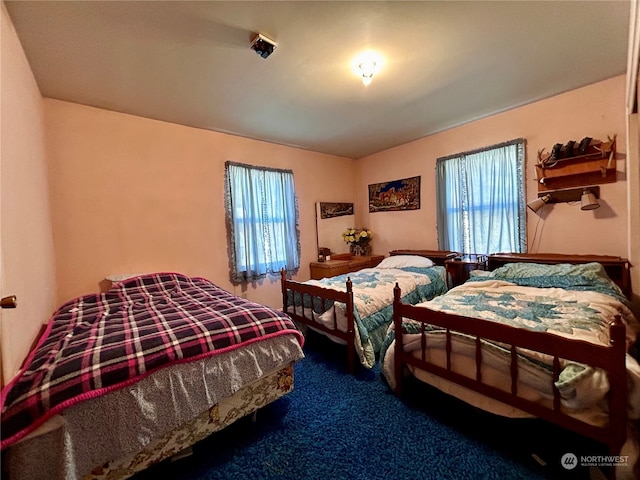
(340,426)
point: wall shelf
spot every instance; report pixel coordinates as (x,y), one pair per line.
(596,166)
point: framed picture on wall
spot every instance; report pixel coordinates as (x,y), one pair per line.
(330,210)
(395,195)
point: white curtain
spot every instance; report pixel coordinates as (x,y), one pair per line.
(262,214)
(481,201)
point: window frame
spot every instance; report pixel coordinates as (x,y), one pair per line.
(275,215)
(464,197)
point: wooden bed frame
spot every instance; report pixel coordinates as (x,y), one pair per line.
(610,358)
(328,296)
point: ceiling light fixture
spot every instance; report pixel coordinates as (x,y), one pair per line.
(366,65)
(367,69)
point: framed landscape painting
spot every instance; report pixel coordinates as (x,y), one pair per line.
(330,210)
(395,195)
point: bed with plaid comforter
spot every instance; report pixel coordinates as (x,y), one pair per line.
(99,343)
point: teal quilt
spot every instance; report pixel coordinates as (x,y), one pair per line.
(575,303)
(373,301)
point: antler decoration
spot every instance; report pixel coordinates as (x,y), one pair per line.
(612,153)
(543,159)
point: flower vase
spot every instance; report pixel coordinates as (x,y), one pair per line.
(357,250)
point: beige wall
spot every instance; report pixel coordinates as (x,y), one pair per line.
(26,255)
(138,195)
(597,110)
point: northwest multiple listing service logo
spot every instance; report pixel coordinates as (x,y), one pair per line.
(569,461)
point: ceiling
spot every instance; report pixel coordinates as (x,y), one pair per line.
(446,63)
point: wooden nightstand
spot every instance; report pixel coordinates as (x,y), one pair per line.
(458,267)
(341,264)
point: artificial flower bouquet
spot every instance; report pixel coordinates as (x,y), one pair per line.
(358,239)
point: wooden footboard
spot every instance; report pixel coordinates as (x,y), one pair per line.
(296,295)
(609,358)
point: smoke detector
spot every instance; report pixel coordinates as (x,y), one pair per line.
(262,45)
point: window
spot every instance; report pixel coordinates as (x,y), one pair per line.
(262,211)
(481,201)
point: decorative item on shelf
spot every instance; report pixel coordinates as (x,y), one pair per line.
(586,147)
(577,163)
(358,240)
(324,254)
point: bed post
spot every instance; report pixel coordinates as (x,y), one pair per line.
(398,348)
(618,390)
(351,342)
(283,279)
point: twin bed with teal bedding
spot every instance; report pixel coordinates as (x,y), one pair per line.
(530,339)
(356,309)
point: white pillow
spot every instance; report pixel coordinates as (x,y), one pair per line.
(480,273)
(119,277)
(401,261)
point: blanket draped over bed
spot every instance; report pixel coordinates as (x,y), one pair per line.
(573,306)
(94,345)
(373,301)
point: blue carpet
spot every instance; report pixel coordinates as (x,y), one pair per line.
(340,426)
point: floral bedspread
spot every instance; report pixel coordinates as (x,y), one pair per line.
(577,308)
(373,300)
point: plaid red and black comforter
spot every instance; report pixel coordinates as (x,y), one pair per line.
(98,343)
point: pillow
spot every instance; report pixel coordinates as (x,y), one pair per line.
(119,277)
(591,270)
(402,261)
(480,273)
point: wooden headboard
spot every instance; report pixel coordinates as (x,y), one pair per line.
(438,256)
(616,267)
